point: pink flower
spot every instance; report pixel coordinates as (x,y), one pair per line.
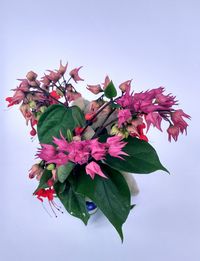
(16,99)
(35,170)
(98,149)
(106,82)
(46,81)
(173,131)
(61,143)
(95,88)
(126,101)
(177,118)
(153,118)
(115,145)
(125,85)
(62,69)
(59,159)
(31,76)
(54,76)
(47,152)
(123,116)
(74,74)
(79,151)
(72,96)
(93,169)
(26,112)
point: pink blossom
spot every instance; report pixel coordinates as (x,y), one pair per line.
(72,96)
(153,118)
(46,81)
(17,97)
(106,82)
(123,116)
(62,69)
(61,143)
(94,88)
(54,76)
(26,112)
(74,74)
(125,85)
(166,100)
(31,76)
(177,119)
(173,131)
(47,152)
(35,170)
(79,151)
(126,101)
(115,145)
(93,169)
(98,149)
(59,159)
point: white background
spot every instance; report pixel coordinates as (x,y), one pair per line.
(157,43)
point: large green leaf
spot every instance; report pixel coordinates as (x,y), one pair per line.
(73,202)
(142,158)
(58,118)
(111,195)
(110,91)
(64,170)
(47,174)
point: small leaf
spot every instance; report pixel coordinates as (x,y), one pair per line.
(111,195)
(47,174)
(110,90)
(64,171)
(73,202)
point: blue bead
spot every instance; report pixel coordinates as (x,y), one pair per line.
(90,206)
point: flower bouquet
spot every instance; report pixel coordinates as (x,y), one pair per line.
(88,147)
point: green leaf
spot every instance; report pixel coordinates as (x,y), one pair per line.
(58,118)
(47,174)
(110,90)
(111,195)
(73,202)
(64,171)
(142,158)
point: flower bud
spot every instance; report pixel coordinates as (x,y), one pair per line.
(51,166)
(31,76)
(32,104)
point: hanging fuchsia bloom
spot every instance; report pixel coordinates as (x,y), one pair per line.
(45,193)
(153,118)
(93,169)
(96,89)
(36,171)
(177,119)
(74,74)
(173,132)
(123,116)
(125,85)
(18,96)
(115,146)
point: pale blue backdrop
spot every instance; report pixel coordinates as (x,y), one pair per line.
(154,42)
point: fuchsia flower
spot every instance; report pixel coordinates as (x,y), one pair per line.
(74,74)
(115,145)
(37,171)
(123,116)
(94,88)
(98,149)
(125,86)
(106,82)
(54,76)
(173,132)
(177,119)
(93,169)
(153,118)
(47,152)
(62,69)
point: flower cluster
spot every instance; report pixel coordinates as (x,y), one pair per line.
(87,147)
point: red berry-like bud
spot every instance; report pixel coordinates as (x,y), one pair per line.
(89,116)
(33,132)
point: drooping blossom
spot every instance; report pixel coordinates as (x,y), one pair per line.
(74,74)
(95,89)
(93,169)
(153,118)
(125,85)
(18,97)
(36,171)
(123,116)
(115,146)
(177,119)
(173,132)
